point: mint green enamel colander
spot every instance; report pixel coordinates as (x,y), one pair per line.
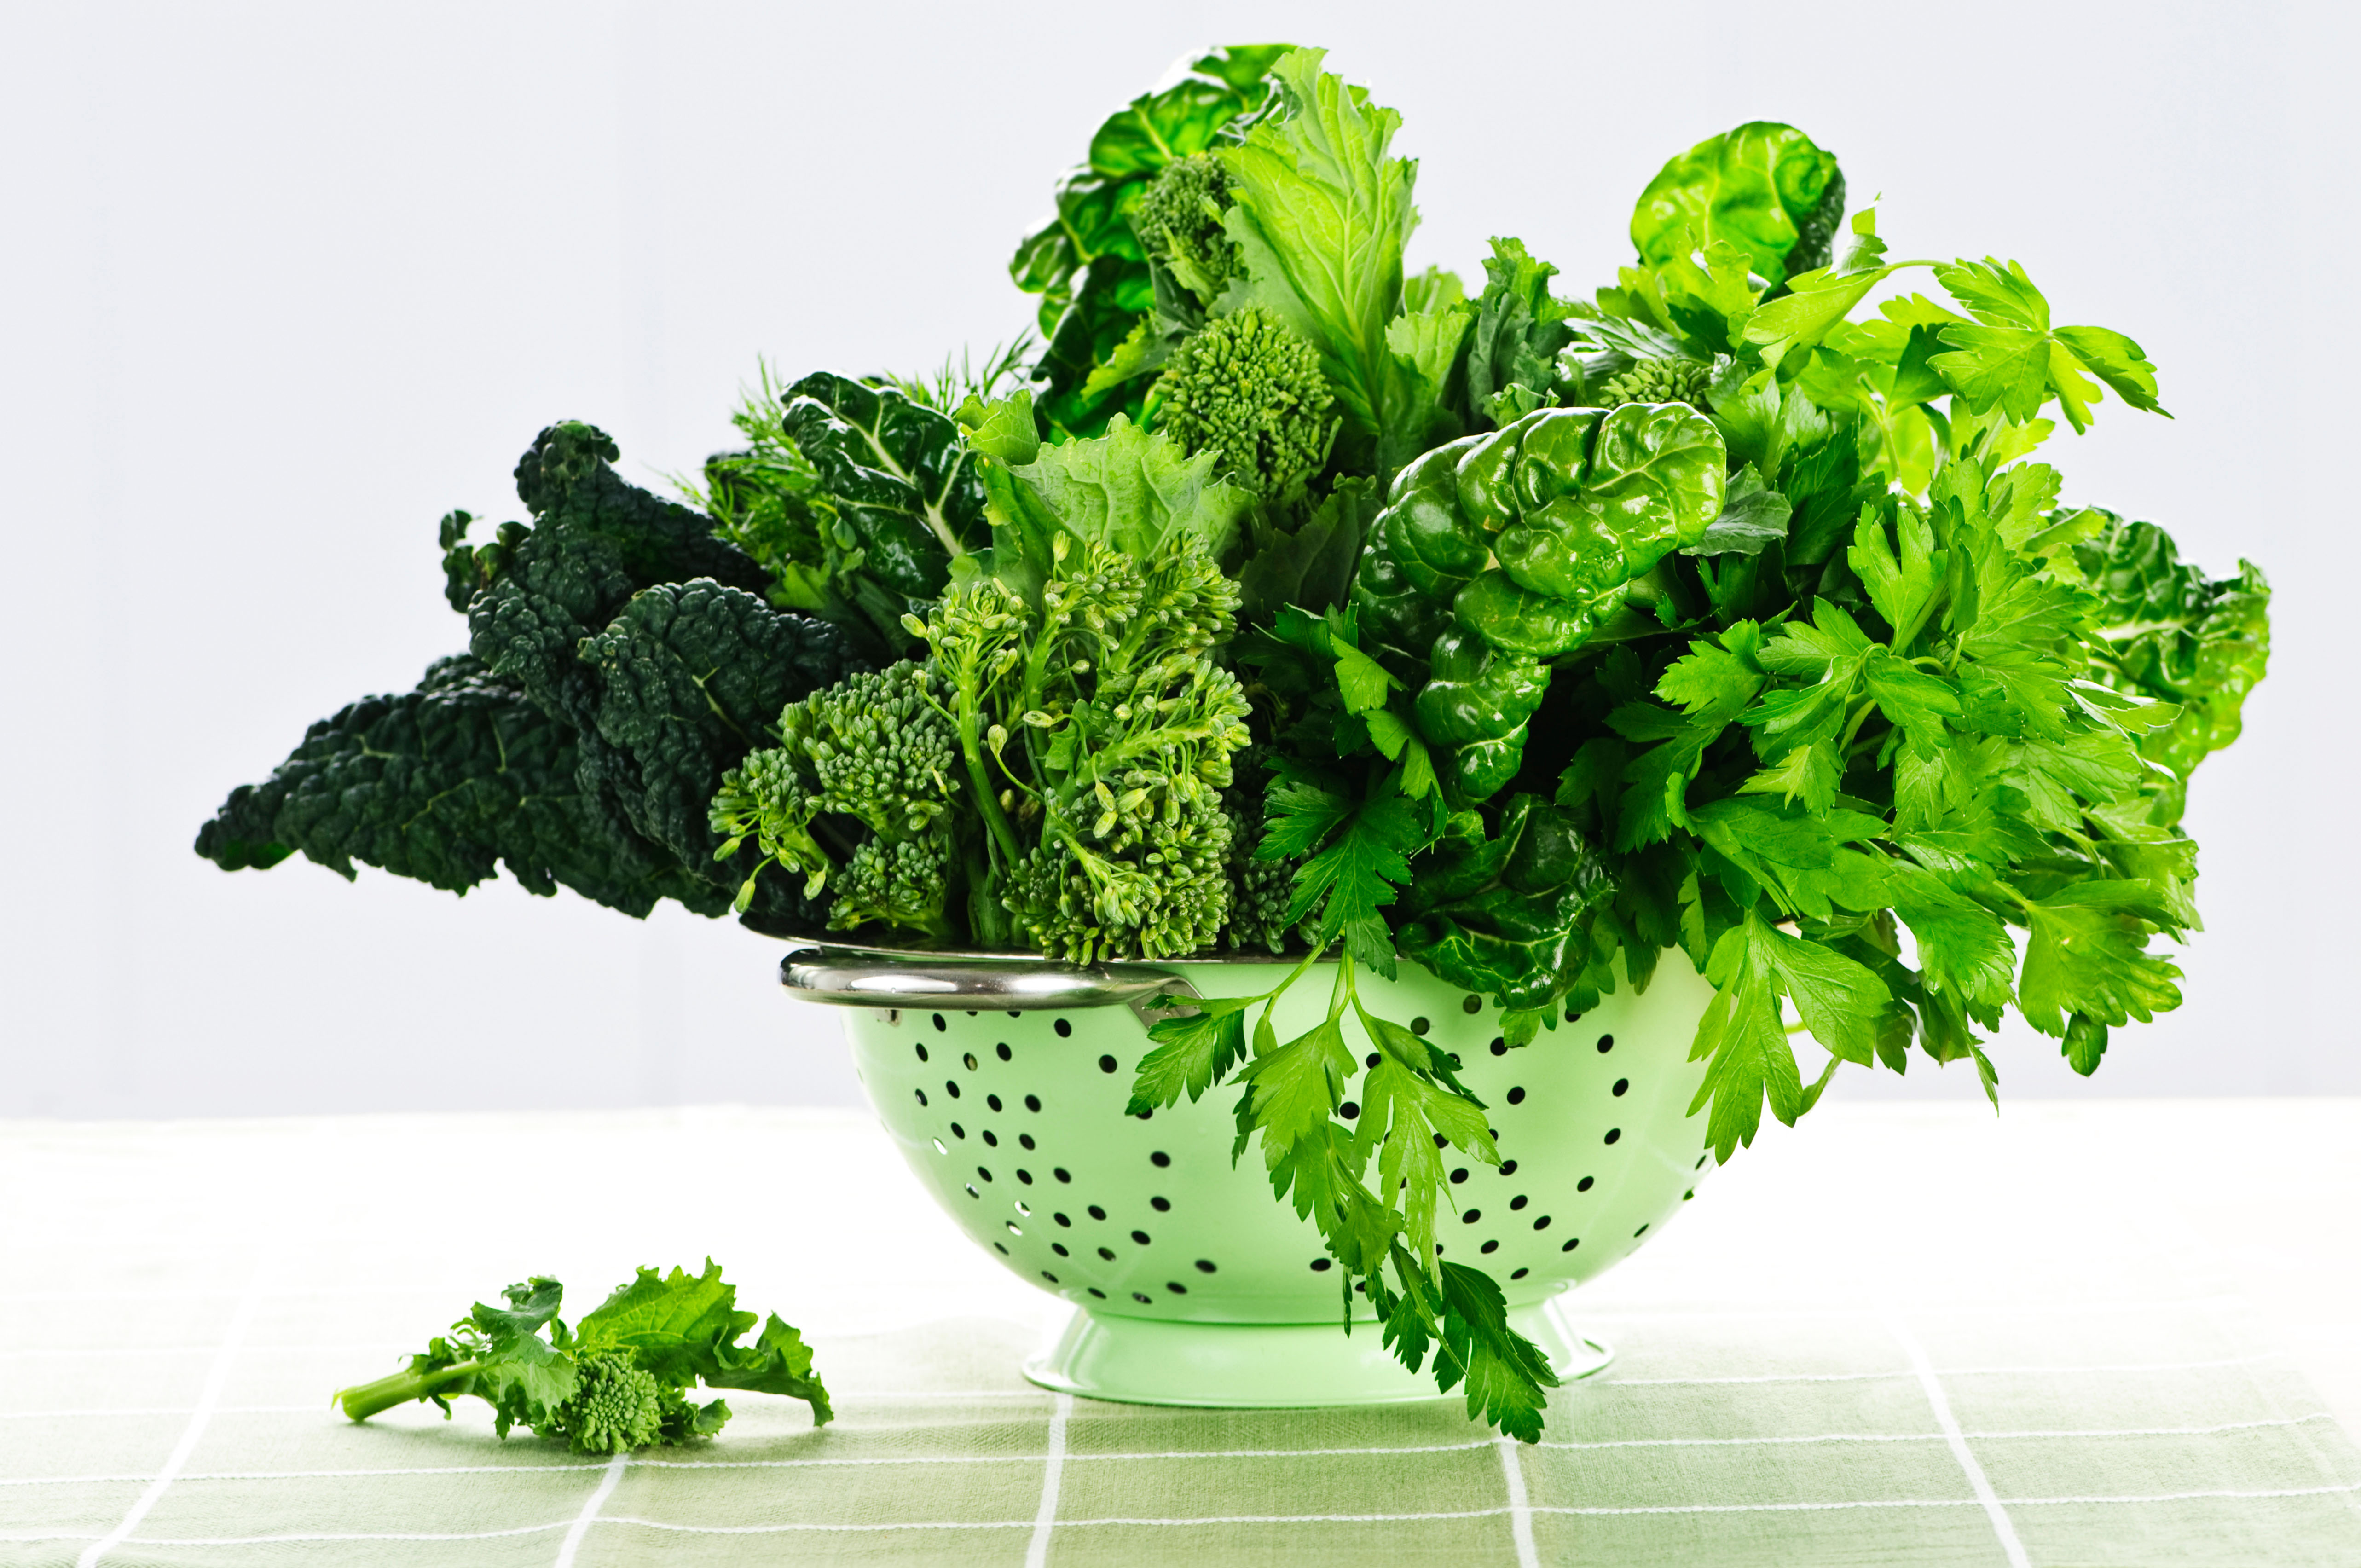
(1003,1082)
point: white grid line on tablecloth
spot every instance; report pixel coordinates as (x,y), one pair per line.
(563,1467)
(1978,1482)
(589,1514)
(208,1396)
(1614,1382)
(1521,1512)
(1572,1509)
(1053,1467)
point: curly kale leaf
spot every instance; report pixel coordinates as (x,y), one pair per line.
(445,784)
(1520,329)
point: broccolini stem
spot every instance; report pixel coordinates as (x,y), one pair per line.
(987,802)
(367,1399)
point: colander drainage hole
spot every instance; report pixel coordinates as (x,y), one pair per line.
(968,1061)
(958,1131)
(1142,1298)
(1517,1095)
(1025,1140)
(1106,1064)
(1350,1110)
(1140,1237)
(1487,1248)
(989,1141)
(1572,1017)
(1023,1210)
(1322,1265)
(1025,1176)
(1064,1027)
(940,1024)
(1459,1175)
(1013,1228)
(1622,1087)
(951,1088)
(1606,1044)
(1584,1185)
(1001,1250)
(1541,1223)
(1161,1205)
(1469,1218)
(1374,1058)
(1205,1267)
(985,1174)
(1700,1164)
(1033,1103)
(1419,1025)
(940,1146)
(1499,1046)
(1520,1274)
(1063,1221)
(1614,1133)
(1107,1255)
(972,1192)
(1507,1168)
(1050,1277)
(1176,1287)
(1096,1212)
(922,1053)
(993,1100)
(1471,1004)
(1517,1203)
(1159,1159)
(1095,1291)
(1571,1245)
(1003,1052)
(1638,1233)
(921,1094)
(1061,1173)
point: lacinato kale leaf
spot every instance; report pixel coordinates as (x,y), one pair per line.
(581,739)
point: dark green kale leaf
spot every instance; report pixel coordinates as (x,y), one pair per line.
(1500,911)
(445,784)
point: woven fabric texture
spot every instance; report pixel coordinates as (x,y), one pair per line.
(1898,1335)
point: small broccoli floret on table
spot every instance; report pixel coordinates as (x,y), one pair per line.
(1248,389)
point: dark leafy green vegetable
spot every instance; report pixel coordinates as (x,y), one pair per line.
(612,682)
(1088,263)
(615,1381)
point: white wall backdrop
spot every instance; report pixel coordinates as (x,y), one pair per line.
(281,284)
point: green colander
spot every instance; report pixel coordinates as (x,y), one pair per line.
(1004,1082)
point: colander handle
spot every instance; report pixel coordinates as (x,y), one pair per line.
(844,978)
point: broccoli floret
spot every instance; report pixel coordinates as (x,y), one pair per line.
(1260,891)
(1180,224)
(1658,381)
(1249,390)
(615,1407)
(873,749)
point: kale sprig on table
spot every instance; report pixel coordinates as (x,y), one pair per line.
(1309,605)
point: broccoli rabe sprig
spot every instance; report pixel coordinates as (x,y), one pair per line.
(875,750)
(1180,224)
(1249,390)
(616,1380)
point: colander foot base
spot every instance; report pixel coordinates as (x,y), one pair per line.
(1147,1361)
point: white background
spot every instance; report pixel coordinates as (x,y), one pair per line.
(279,285)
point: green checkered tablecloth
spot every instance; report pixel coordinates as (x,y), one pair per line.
(1900,1335)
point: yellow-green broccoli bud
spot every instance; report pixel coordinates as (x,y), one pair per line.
(1180,222)
(1249,390)
(1658,381)
(906,884)
(614,1405)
